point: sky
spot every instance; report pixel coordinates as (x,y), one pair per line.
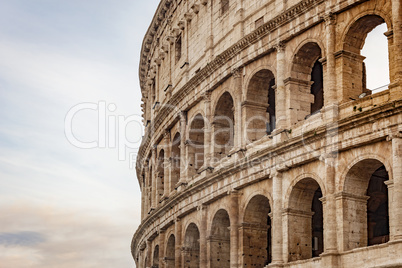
(70,128)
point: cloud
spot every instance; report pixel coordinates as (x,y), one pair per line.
(21,239)
(62,237)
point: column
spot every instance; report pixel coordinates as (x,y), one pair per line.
(149,254)
(234,229)
(277,232)
(330,220)
(202,210)
(330,94)
(397,39)
(143,199)
(166,164)
(238,92)
(162,247)
(280,89)
(208,149)
(178,243)
(395,208)
(148,189)
(154,192)
(183,156)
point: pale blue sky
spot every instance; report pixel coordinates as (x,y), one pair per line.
(62,206)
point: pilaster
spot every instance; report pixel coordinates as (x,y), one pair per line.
(202,210)
(178,243)
(277,231)
(234,229)
(280,88)
(395,201)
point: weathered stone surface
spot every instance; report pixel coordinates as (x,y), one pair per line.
(259,147)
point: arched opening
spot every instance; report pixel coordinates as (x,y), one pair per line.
(366,205)
(305,221)
(155,262)
(377,208)
(353,65)
(219,241)
(175,162)
(260,105)
(160,182)
(223,125)
(256,233)
(191,249)
(196,144)
(306,82)
(170,252)
(376,62)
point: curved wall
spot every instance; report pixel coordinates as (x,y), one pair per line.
(263,145)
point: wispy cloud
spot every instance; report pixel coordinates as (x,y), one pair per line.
(63,206)
(26,238)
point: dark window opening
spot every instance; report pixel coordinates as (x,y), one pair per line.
(377,208)
(259,22)
(224,6)
(271,110)
(317,225)
(178,48)
(317,87)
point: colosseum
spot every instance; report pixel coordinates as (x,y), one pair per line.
(264,146)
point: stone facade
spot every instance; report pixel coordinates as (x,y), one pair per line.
(263,146)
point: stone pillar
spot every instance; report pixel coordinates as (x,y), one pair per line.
(148,189)
(238,86)
(330,220)
(397,40)
(178,243)
(143,199)
(166,164)
(330,94)
(183,156)
(162,247)
(395,204)
(202,210)
(149,254)
(208,149)
(153,178)
(234,229)
(277,232)
(280,93)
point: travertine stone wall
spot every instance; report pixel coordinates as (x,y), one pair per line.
(260,149)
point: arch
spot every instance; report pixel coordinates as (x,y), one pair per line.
(219,241)
(305,220)
(196,143)
(160,175)
(191,249)
(354,83)
(223,125)
(306,175)
(155,260)
(175,161)
(260,105)
(170,252)
(366,199)
(256,233)
(344,175)
(307,78)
